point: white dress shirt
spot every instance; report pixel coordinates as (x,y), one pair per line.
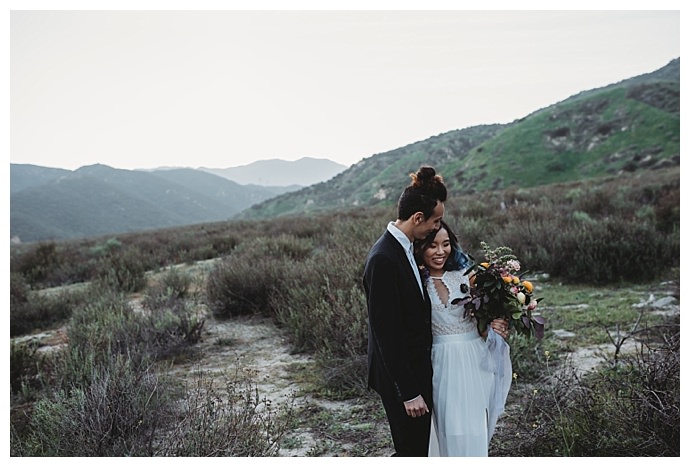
(408,247)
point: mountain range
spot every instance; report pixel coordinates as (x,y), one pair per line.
(629,126)
(54,204)
(277,172)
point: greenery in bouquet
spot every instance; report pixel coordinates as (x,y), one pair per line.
(498,290)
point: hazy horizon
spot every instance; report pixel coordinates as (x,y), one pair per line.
(146,89)
(186,167)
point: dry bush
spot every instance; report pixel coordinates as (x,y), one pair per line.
(628,409)
(123,271)
(244,282)
(227,419)
(114,413)
(32,311)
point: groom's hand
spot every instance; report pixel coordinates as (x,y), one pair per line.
(416,407)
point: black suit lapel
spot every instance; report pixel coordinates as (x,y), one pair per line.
(424,294)
(405,265)
(427,298)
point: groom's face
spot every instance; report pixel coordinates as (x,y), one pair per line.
(425,226)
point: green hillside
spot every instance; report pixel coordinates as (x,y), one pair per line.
(596,136)
(629,126)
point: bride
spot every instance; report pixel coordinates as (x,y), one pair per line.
(472,373)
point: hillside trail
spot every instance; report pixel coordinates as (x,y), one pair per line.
(258,346)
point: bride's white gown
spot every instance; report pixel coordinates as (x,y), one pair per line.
(472,376)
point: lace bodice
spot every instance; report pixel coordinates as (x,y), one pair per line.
(448,318)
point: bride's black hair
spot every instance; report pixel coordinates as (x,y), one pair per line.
(457,260)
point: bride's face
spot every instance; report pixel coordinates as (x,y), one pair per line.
(437,253)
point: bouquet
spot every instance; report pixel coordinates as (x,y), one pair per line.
(497,291)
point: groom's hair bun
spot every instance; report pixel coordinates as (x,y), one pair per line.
(427,181)
(422,194)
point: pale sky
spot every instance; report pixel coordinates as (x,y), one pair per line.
(143,89)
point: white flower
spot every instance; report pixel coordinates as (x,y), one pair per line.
(513,264)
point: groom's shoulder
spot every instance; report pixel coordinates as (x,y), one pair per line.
(383,247)
(384,242)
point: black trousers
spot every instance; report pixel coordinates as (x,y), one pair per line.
(410,435)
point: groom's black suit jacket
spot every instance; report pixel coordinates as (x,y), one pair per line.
(399,325)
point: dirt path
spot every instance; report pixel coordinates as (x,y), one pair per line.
(259,347)
(255,344)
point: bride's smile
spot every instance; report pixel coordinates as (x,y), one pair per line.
(437,253)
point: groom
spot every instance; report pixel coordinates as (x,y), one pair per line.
(400,315)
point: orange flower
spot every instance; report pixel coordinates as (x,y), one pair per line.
(528,286)
(508,279)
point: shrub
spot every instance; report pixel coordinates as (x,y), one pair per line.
(244,282)
(173,285)
(323,309)
(608,251)
(230,420)
(114,406)
(35,265)
(188,323)
(166,303)
(527,357)
(116,413)
(667,212)
(321,317)
(35,310)
(24,365)
(107,248)
(321,301)
(342,377)
(281,246)
(629,409)
(108,325)
(19,290)
(124,272)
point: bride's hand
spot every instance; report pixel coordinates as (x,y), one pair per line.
(500,326)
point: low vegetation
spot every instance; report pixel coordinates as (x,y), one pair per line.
(605,245)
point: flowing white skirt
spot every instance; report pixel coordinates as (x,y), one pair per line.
(470,389)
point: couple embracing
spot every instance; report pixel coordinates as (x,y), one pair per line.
(442,384)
